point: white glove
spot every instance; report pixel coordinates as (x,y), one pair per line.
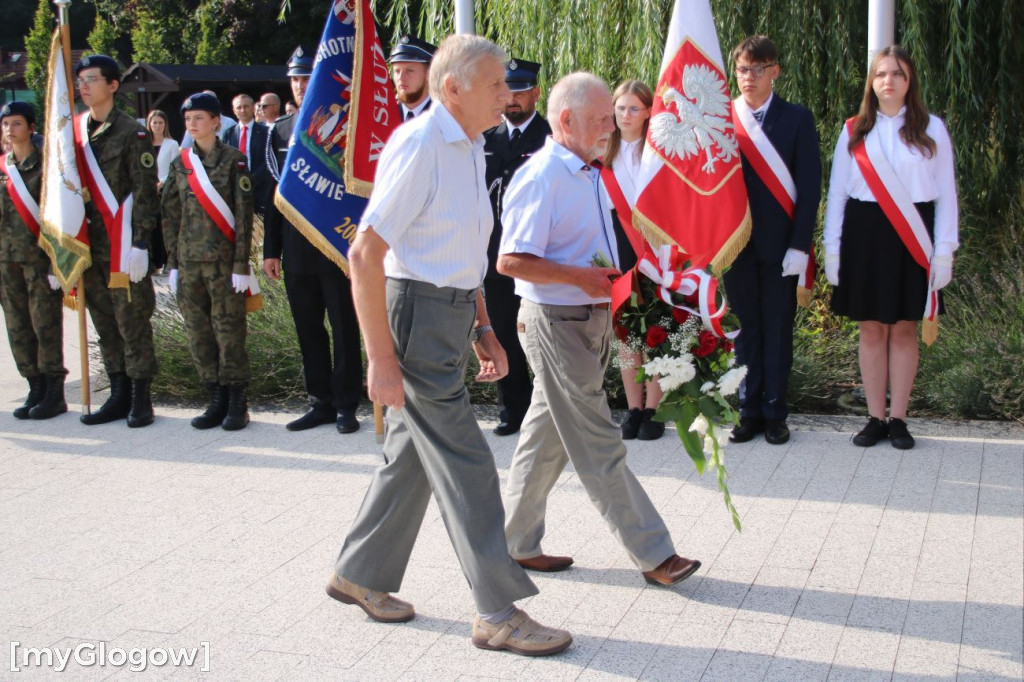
(173,280)
(54,282)
(942,272)
(138,264)
(240,282)
(794,262)
(832,268)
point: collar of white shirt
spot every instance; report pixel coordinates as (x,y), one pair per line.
(764,107)
(901,112)
(450,128)
(522,127)
(418,111)
(574,163)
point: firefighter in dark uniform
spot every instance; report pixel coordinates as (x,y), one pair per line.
(410,73)
(506,148)
(315,287)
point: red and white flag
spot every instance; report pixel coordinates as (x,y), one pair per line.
(691,189)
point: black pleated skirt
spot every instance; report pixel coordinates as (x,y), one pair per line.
(879,281)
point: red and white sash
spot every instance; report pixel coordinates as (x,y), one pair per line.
(895,202)
(26,206)
(117,218)
(219,211)
(624,210)
(762,156)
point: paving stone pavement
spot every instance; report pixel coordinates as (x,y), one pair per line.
(853,563)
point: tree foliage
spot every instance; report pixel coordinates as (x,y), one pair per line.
(37,47)
(103,37)
(148,40)
(210,45)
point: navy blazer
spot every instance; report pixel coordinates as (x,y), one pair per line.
(257,158)
(790,128)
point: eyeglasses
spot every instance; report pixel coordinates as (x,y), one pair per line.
(755,71)
(632,111)
(89,80)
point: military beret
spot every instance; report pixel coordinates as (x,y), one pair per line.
(201,101)
(17,108)
(301,62)
(411,49)
(521,75)
(107,66)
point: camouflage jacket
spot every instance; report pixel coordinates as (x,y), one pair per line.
(124,152)
(17,243)
(189,232)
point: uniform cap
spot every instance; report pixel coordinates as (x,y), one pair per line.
(107,66)
(412,49)
(301,62)
(17,108)
(521,75)
(201,101)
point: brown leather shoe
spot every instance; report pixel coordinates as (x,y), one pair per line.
(380,606)
(521,635)
(546,563)
(672,570)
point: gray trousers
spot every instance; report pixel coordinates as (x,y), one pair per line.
(569,420)
(434,445)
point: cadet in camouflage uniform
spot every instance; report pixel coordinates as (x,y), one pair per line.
(208,271)
(121,314)
(31,297)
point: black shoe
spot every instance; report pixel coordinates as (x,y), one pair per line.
(775,431)
(507,428)
(898,434)
(216,410)
(36,391)
(347,422)
(117,405)
(238,409)
(748,428)
(320,413)
(53,402)
(631,425)
(875,431)
(650,429)
(141,412)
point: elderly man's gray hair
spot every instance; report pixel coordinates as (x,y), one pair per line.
(572,92)
(459,56)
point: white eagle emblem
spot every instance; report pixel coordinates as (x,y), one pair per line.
(702,123)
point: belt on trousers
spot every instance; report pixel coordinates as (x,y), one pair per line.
(599,306)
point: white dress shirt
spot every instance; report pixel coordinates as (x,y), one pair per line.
(168,151)
(925,179)
(521,127)
(430,203)
(627,168)
(556,209)
(417,112)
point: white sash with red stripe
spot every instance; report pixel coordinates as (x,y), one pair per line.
(26,206)
(762,156)
(894,200)
(117,218)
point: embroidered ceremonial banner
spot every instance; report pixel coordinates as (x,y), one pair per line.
(63,228)
(691,190)
(346,110)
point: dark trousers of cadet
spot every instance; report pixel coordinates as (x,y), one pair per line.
(35,319)
(215,321)
(434,445)
(335,380)
(122,318)
(765,303)
(515,389)
(569,421)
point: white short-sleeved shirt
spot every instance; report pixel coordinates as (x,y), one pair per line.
(430,203)
(925,179)
(556,208)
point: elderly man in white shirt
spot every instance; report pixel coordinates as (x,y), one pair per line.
(556,219)
(417,266)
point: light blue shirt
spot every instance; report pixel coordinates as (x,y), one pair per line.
(556,209)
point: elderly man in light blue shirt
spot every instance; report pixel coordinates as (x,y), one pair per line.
(557,227)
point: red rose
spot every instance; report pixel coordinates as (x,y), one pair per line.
(656,335)
(680,315)
(727,346)
(706,344)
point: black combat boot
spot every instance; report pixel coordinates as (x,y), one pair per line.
(117,405)
(217,409)
(53,402)
(141,413)
(238,409)
(36,391)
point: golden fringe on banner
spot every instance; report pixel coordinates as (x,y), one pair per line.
(725,256)
(70,302)
(309,232)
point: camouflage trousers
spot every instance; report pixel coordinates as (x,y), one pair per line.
(215,320)
(35,320)
(122,321)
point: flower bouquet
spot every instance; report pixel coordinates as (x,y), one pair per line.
(676,317)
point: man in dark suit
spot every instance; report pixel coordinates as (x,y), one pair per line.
(761,284)
(315,287)
(250,138)
(506,148)
(410,72)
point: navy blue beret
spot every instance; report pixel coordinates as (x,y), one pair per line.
(17,108)
(201,101)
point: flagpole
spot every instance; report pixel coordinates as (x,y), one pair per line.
(83,332)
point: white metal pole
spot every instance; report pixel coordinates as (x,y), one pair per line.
(464,16)
(881,23)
